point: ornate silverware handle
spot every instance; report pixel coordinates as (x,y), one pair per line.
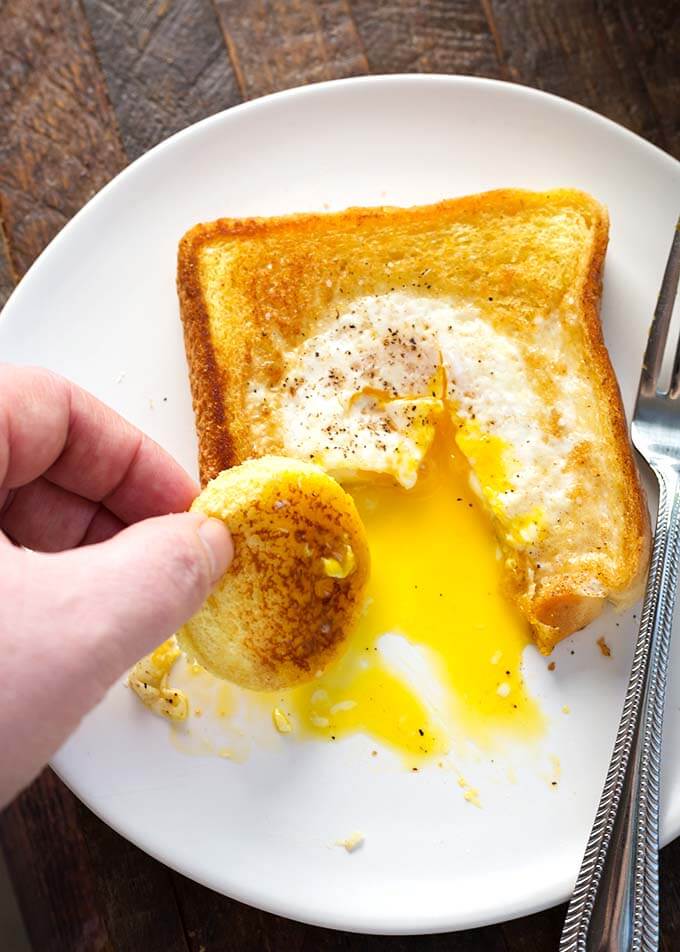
(615,905)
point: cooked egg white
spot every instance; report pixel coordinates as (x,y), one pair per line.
(429,416)
(365,393)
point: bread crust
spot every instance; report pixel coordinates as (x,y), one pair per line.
(559,605)
(558,611)
(215,446)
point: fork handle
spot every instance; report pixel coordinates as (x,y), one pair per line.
(615,905)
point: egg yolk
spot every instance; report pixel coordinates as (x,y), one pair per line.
(436,581)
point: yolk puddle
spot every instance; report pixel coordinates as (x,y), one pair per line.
(436,581)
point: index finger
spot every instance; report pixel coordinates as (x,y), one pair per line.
(50,427)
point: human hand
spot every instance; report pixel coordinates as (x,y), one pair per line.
(109,577)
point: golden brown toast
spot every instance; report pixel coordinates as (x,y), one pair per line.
(341,338)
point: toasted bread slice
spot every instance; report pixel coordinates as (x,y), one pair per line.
(283,610)
(341,338)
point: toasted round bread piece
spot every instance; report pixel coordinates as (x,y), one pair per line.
(284,608)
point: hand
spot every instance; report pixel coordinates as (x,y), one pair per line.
(109,576)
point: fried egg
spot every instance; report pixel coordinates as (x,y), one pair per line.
(364,394)
(430,419)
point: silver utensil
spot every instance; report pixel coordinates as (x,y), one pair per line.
(615,905)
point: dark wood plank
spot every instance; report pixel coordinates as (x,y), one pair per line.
(276,44)
(489,939)
(7,276)
(580,51)
(221,925)
(670,897)
(653,32)
(439,36)
(135,894)
(51,870)
(165,65)
(539,933)
(81,887)
(58,140)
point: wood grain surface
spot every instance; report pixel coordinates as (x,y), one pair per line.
(58,137)
(8,278)
(412,36)
(165,65)
(289,43)
(590,56)
(85,87)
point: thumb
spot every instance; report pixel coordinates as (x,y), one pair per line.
(77,620)
(127,595)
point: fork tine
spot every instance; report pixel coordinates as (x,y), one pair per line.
(674,389)
(658,332)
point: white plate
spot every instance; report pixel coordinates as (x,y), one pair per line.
(100,303)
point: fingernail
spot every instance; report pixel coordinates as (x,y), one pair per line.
(217,541)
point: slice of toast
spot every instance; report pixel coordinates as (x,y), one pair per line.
(342,338)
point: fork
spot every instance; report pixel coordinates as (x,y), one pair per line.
(615,904)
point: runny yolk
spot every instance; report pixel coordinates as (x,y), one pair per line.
(436,582)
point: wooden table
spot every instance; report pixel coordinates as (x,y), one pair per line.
(87,86)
